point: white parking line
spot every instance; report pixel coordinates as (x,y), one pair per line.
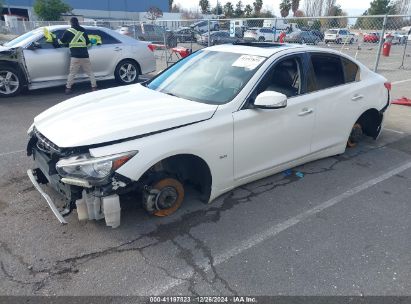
(276,229)
(400,81)
(12,152)
(395,131)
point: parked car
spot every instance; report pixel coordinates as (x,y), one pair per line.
(28,61)
(303,37)
(261,34)
(339,36)
(397,37)
(318,33)
(185,34)
(202,26)
(219,37)
(222,117)
(372,37)
(150,32)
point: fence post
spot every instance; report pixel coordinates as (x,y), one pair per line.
(403,55)
(209,36)
(275,30)
(384,26)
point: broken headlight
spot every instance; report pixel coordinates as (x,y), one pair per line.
(92,168)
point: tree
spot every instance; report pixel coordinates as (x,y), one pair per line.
(258,5)
(50,10)
(377,7)
(205,6)
(295,5)
(248,10)
(154,13)
(381,7)
(285,7)
(313,8)
(239,9)
(218,9)
(228,9)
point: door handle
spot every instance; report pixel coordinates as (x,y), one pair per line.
(117,49)
(357,97)
(305,112)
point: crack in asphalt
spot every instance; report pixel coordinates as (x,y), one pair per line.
(170,232)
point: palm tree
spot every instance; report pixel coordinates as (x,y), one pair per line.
(285,7)
(295,5)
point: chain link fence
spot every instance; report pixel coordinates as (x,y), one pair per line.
(360,37)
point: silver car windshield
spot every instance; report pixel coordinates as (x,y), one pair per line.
(20,39)
(208,76)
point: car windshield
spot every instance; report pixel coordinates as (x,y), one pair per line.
(20,40)
(208,76)
(332,32)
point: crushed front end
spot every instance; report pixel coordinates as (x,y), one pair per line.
(88,184)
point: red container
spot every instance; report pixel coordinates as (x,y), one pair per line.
(386,49)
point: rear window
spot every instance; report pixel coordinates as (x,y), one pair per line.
(327,72)
(333,32)
(351,70)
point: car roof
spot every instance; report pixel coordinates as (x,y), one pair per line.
(257,49)
(270,49)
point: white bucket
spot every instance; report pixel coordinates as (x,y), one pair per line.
(82,211)
(112,210)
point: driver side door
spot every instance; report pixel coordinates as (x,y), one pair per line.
(47,63)
(266,139)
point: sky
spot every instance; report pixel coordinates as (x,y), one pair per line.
(352,7)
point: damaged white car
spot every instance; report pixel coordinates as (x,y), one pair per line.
(220,118)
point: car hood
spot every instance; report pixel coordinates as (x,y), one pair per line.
(116,114)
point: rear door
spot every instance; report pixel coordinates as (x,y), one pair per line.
(334,84)
(104,57)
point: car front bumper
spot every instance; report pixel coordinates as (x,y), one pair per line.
(48,199)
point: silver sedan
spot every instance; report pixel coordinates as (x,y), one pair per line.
(29,62)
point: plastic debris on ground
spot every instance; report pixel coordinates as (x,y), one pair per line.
(402,101)
(299,174)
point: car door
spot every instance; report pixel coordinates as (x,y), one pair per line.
(47,63)
(265,138)
(335,87)
(104,57)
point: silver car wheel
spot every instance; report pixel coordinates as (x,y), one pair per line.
(9,82)
(128,72)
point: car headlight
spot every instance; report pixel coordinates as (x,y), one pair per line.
(92,168)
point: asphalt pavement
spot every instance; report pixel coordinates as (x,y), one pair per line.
(342,229)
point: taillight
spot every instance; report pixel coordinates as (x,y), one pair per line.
(388,86)
(152,47)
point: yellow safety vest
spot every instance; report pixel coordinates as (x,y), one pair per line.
(78,40)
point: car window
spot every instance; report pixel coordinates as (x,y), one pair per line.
(284,77)
(47,45)
(327,72)
(105,38)
(351,70)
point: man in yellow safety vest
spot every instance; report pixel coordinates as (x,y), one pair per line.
(78,41)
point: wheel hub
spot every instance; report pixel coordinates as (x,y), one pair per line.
(166,198)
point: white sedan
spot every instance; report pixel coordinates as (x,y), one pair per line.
(220,118)
(30,62)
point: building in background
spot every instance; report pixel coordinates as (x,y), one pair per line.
(92,9)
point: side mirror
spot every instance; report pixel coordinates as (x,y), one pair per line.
(270,100)
(34,46)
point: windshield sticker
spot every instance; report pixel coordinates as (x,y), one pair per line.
(248,62)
